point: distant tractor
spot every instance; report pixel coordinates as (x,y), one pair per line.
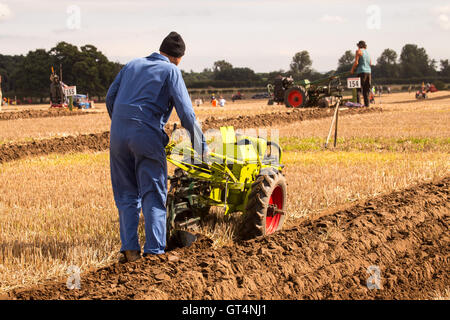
(421,94)
(424,90)
(57,96)
(64,96)
(81,101)
(237,96)
(323,93)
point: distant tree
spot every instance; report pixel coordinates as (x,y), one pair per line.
(191,78)
(445,68)
(222,65)
(224,71)
(33,75)
(433,66)
(87,68)
(66,55)
(9,65)
(237,74)
(388,56)
(244,74)
(346,61)
(91,51)
(93,71)
(414,62)
(301,64)
(87,76)
(387,64)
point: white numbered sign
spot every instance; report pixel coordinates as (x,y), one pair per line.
(353,83)
(70,91)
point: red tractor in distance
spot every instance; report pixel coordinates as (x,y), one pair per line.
(424,90)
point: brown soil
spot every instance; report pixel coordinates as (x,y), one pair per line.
(27,114)
(80,143)
(404,233)
(269,119)
(100,141)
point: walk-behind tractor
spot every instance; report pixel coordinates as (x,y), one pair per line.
(244,176)
(323,93)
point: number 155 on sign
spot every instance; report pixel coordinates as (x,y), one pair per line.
(70,91)
(353,83)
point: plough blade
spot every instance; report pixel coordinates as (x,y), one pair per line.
(182,239)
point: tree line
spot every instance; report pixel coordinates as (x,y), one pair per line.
(413,66)
(29,75)
(91,71)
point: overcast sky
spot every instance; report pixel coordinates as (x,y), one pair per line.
(260,34)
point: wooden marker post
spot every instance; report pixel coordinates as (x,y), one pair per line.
(333,122)
(336,125)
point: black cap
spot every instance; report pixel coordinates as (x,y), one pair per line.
(361,44)
(173,45)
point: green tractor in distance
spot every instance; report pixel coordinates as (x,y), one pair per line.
(244,176)
(322,93)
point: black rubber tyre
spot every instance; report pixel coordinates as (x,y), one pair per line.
(296,97)
(269,186)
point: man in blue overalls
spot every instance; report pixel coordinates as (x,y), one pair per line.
(139,103)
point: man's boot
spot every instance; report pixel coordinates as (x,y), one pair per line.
(130,256)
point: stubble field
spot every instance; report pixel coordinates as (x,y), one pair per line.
(383,192)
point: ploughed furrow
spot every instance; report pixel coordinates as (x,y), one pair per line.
(100,141)
(29,114)
(402,237)
(80,143)
(274,118)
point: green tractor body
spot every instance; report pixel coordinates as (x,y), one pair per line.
(227,179)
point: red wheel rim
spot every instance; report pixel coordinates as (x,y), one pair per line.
(272,222)
(295,98)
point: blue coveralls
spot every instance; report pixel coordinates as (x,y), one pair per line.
(139,103)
